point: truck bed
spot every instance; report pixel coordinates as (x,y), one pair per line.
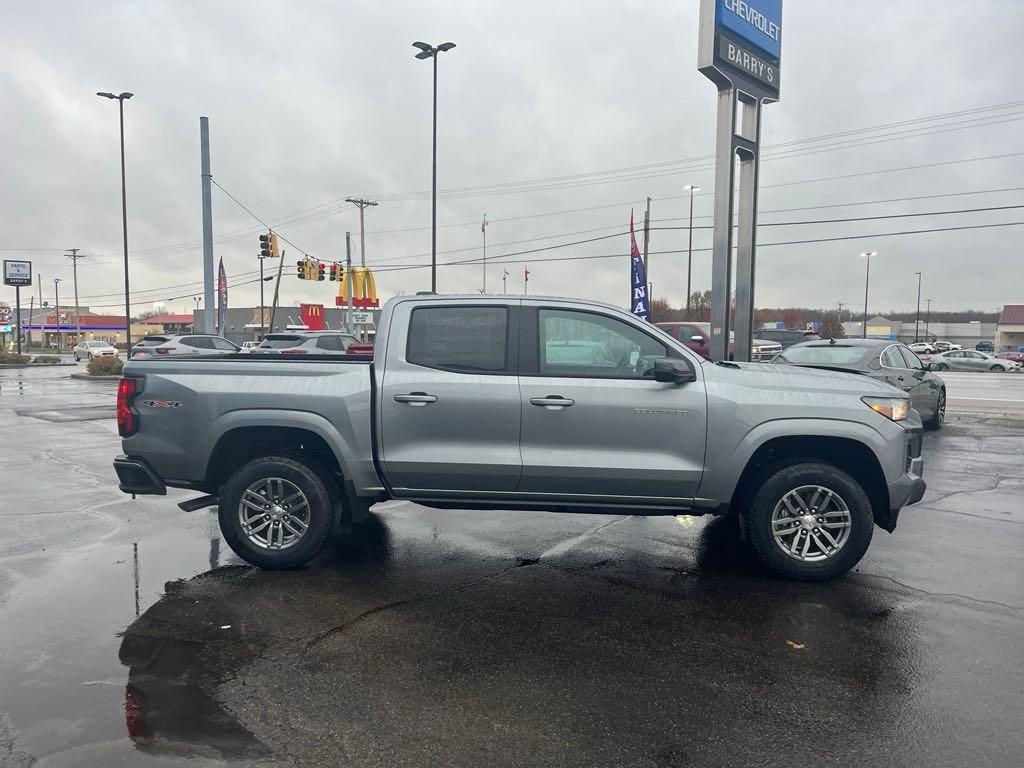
(188,407)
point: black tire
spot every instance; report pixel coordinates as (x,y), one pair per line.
(997,368)
(308,478)
(77,358)
(771,493)
(939,417)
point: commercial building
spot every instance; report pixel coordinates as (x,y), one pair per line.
(965,334)
(1010,328)
(243,323)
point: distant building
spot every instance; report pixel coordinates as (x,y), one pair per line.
(966,334)
(170,323)
(1010,328)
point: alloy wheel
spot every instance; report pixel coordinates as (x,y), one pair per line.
(811,523)
(274,513)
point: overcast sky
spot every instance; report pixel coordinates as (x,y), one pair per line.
(312,102)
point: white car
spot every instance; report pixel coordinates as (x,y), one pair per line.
(946,346)
(249,346)
(921,348)
(87,350)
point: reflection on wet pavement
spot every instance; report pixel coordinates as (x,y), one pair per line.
(130,635)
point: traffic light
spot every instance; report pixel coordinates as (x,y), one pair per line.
(320,267)
(268,246)
(334,271)
(301,263)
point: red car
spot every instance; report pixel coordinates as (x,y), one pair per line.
(1017,357)
(697,337)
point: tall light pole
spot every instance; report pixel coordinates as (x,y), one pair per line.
(917,317)
(428,51)
(121,97)
(927,317)
(867,276)
(689,256)
(56,316)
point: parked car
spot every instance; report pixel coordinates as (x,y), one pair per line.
(193,344)
(945,346)
(697,337)
(145,346)
(1017,357)
(985,346)
(887,361)
(786,337)
(921,348)
(306,343)
(970,360)
(465,405)
(87,350)
(248,346)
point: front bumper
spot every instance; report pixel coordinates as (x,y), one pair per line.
(135,476)
(909,487)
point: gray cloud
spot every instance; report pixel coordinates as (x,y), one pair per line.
(313,102)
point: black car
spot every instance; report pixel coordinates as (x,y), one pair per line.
(985,346)
(887,361)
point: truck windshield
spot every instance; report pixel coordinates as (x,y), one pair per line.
(823,354)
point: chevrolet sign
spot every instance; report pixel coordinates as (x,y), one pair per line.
(741,45)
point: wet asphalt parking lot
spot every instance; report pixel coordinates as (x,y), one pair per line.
(131,636)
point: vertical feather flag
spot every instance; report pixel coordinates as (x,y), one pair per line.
(639,301)
(222,298)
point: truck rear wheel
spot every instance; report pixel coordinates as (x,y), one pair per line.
(810,521)
(275,512)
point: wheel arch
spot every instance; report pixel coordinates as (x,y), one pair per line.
(850,455)
(238,445)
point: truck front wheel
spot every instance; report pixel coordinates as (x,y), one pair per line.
(276,512)
(810,521)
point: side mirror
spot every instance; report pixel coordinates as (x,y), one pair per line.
(697,339)
(933,367)
(672,371)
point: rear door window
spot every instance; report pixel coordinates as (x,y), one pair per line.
(223,344)
(461,339)
(330,343)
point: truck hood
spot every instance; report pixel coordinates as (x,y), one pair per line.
(796,378)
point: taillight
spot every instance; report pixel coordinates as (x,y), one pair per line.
(293,351)
(127,418)
(163,350)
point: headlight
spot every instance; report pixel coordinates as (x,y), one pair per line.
(894,408)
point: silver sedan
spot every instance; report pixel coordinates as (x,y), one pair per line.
(970,360)
(87,350)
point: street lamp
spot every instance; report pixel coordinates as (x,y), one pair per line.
(867,274)
(428,51)
(917,317)
(56,316)
(927,317)
(689,257)
(124,221)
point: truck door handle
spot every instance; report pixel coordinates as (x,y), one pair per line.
(552,401)
(416,398)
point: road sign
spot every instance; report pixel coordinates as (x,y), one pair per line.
(362,318)
(17,273)
(5,329)
(741,45)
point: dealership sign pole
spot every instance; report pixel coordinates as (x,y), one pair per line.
(17,273)
(740,51)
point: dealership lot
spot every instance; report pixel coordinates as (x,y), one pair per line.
(130,634)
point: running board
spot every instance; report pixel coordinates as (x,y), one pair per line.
(199,503)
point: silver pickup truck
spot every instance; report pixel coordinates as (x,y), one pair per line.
(519,403)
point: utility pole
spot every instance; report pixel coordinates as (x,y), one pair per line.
(689,257)
(277,287)
(917,317)
(73,255)
(526,280)
(647,236)
(362,232)
(204,162)
(483,229)
(927,317)
(56,297)
(841,305)
(42,325)
(348,281)
(28,333)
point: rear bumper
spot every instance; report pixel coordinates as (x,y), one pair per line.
(135,476)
